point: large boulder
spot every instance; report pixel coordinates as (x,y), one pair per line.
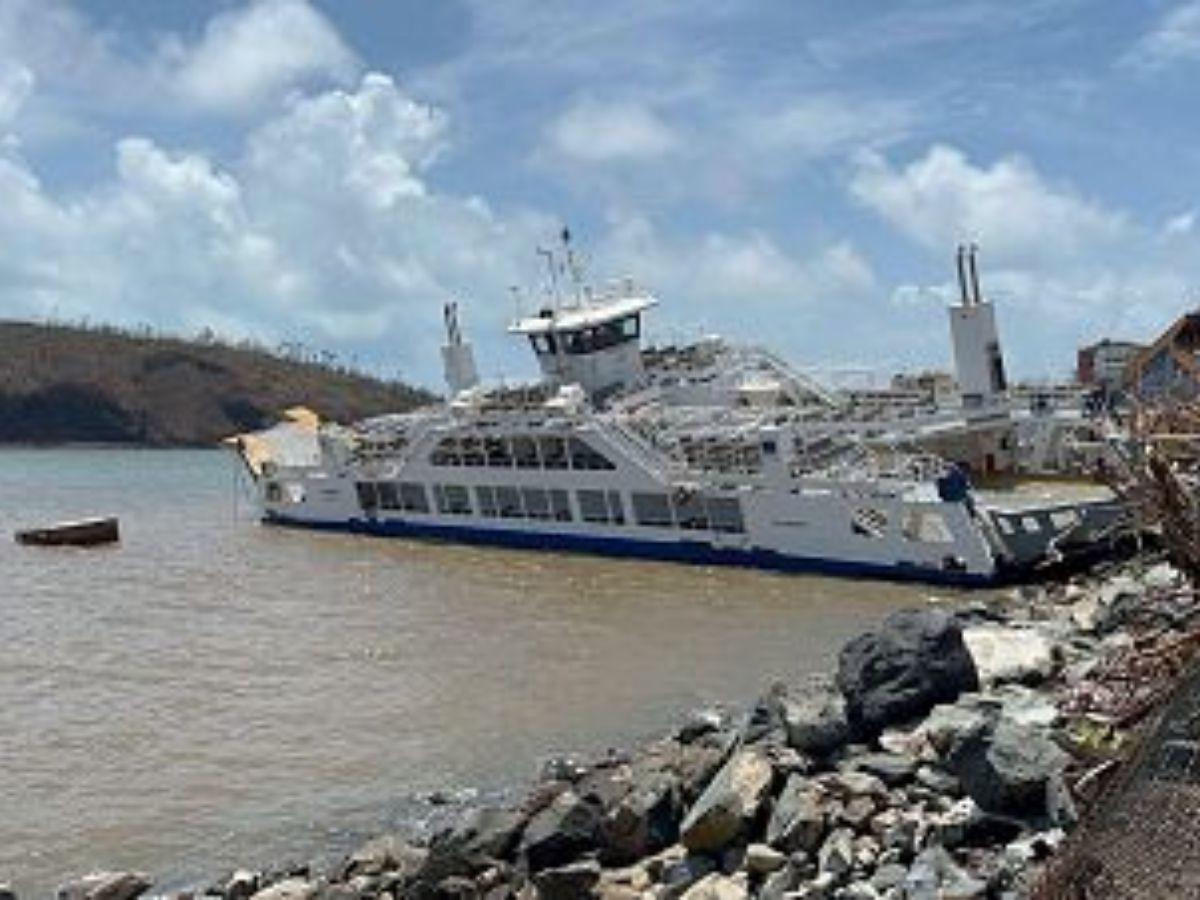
(1002,655)
(105,886)
(561,832)
(1010,769)
(815,722)
(934,875)
(730,804)
(916,660)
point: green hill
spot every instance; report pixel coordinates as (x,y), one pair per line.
(62,384)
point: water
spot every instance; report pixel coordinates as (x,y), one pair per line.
(213,692)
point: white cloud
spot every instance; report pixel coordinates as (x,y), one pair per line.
(16,83)
(1009,208)
(824,124)
(249,55)
(590,131)
(1182,224)
(1174,39)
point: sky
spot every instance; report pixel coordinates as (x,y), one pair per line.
(786,172)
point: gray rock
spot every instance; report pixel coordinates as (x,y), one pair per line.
(858,890)
(836,857)
(888,876)
(935,876)
(386,853)
(643,821)
(558,834)
(799,818)
(288,889)
(892,769)
(680,875)
(916,660)
(717,887)
(457,887)
(765,722)
(938,781)
(762,859)
(242,884)
(568,882)
(816,722)
(1009,769)
(701,722)
(729,805)
(105,886)
(779,884)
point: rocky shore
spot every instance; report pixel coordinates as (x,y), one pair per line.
(948,757)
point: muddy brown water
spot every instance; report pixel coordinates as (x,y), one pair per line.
(213,692)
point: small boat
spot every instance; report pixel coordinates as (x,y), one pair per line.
(83,533)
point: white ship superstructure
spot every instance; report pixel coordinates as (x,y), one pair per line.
(707,453)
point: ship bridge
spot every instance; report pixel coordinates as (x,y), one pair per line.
(593,341)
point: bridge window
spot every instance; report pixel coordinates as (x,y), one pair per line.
(652,510)
(601,507)
(446,453)
(560,506)
(472,451)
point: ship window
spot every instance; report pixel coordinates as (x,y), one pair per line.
(485,497)
(470,451)
(542,343)
(584,457)
(616,509)
(388,497)
(445,453)
(870,523)
(725,514)
(508,503)
(413,497)
(1031,524)
(274,492)
(689,512)
(537,503)
(652,509)
(927,527)
(497,453)
(630,327)
(452,499)
(524,450)
(577,342)
(554,452)
(592,506)
(367,498)
(560,505)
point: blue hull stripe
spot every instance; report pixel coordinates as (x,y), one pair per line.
(695,552)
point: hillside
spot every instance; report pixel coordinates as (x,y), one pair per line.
(69,384)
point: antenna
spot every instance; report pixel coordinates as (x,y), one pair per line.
(972,258)
(573,266)
(548,255)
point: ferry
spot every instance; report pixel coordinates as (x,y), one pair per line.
(710,452)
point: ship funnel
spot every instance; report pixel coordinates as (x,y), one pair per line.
(973,262)
(961,265)
(458,359)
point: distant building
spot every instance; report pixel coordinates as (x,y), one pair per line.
(1170,366)
(937,388)
(1104,365)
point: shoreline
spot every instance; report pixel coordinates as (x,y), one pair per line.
(948,774)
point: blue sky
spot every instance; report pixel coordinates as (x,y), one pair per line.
(792,173)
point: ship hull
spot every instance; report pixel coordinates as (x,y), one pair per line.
(688,552)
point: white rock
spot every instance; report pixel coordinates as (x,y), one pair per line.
(1009,654)
(717,887)
(288,889)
